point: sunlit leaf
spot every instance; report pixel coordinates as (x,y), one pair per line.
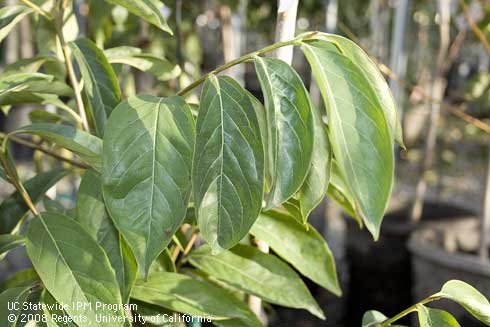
(159,67)
(9,16)
(360,137)
(290,128)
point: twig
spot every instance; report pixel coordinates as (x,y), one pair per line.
(37,9)
(69,67)
(47,151)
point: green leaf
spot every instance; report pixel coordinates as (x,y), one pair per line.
(73,268)
(56,317)
(100,85)
(13,295)
(181,293)
(32,83)
(43,116)
(92,215)
(252,271)
(88,147)
(228,169)
(146,171)
(149,10)
(315,186)
(22,97)
(9,16)
(469,298)
(304,248)
(340,193)
(160,67)
(13,208)
(28,65)
(290,134)
(9,242)
(429,317)
(21,278)
(359,135)
(370,71)
(372,318)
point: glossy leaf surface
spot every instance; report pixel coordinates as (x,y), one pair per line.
(72,267)
(290,128)
(469,298)
(228,169)
(429,317)
(146,179)
(359,135)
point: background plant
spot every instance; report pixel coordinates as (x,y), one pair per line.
(161,172)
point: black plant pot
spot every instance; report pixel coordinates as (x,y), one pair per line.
(432,265)
(380,272)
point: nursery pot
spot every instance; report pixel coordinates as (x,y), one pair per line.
(444,252)
(379,271)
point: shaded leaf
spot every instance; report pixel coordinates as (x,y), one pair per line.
(149,10)
(9,242)
(13,208)
(181,293)
(100,85)
(146,171)
(340,193)
(43,116)
(315,186)
(304,248)
(56,317)
(26,83)
(359,135)
(21,278)
(290,128)
(228,169)
(92,215)
(429,317)
(9,16)
(159,67)
(12,295)
(254,272)
(88,147)
(82,272)
(469,298)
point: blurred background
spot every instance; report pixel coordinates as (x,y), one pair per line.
(435,54)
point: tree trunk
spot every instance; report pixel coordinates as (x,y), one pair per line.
(438,89)
(285,30)
(398,60)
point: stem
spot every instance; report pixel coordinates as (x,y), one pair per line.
(409,310)
(244,58)
(18,184)
(37,9)
(42,149)
(69,68)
